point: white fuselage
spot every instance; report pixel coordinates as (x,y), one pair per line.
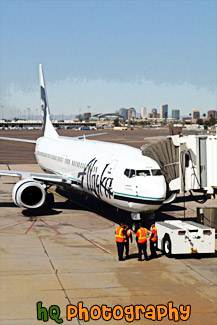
(114,173)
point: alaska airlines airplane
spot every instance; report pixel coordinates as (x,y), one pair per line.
(117,174)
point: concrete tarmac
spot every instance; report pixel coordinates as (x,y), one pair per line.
(68,255)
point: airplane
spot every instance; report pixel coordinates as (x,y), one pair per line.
(115,173)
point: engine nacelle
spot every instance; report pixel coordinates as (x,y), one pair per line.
(170,198)
(29,194)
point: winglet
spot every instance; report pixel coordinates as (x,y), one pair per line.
(48,128)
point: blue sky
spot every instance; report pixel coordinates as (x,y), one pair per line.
(109,54)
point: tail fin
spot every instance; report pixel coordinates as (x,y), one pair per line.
(48,128)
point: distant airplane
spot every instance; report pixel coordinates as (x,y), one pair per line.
(115,173)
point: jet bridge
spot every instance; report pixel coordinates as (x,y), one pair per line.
(188,163)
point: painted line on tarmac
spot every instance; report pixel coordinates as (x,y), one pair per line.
(30,227)
(59,233)
(84,229)
(73,226)
(111,222)
(95,244)
(16,224)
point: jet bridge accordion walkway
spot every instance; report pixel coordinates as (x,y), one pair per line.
(188,163)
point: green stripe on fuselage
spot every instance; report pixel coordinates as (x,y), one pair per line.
(142,197)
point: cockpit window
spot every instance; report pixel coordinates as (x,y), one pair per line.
(130,172)
(143,172)
(126,172)
(156,172)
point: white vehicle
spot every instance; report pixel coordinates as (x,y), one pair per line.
(184,237)
(117,174)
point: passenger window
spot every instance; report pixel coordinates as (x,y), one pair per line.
(143,173)
(132,173)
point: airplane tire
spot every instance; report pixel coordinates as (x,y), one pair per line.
(50,200)
(167,247)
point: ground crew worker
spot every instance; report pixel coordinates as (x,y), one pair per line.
(127,238)
(120,233)
(153,240)
(141,238)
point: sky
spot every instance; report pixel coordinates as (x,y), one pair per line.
(100,56)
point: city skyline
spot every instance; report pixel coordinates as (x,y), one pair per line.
(126,113)
(93,57)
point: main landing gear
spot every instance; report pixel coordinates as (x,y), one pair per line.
(49,200)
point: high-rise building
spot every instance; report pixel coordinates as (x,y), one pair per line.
(195,113)
(213,113)
(87,115)
(131,113)
(176,114)
(123,112)
(144,112)
(154,112)
(163,111)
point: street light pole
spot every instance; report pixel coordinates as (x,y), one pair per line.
(2,107)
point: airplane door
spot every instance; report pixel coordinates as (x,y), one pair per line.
(130,187)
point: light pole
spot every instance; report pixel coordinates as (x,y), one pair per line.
(28,112)
(2,107)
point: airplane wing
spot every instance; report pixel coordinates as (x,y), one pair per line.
(34,141)
(17,139)
(41,177)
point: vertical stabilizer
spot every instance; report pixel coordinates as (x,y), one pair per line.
(48,128)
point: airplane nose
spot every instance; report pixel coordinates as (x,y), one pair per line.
(160,189)
(154,187)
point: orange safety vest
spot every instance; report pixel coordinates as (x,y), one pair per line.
(127,237)
(141,234)
(119,237)
(154,232)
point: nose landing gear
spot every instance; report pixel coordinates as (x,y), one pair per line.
(136,217)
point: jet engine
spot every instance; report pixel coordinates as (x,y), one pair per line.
(29,194)
(171,196)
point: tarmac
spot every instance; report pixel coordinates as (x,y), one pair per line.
(67,255)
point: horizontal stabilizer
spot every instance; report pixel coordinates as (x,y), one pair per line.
(89,135)
(80,137)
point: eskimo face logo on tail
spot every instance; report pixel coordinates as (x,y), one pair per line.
(98,184)
(43,106)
